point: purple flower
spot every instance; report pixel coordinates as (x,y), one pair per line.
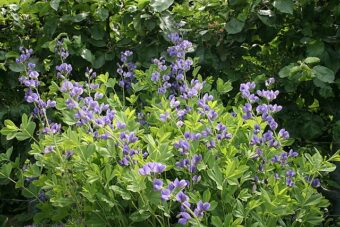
(212,115)
(48,149)
(179,123)
(151,167)
(174,103)
(220,127)
(98,95)
(275,159)
(196,178)
(31,97)
(124,55)
(70,104)
(316,183)
(289,182)
(283,133)
(177,184)
(66,86)
(257,129)
(183,146)
(181,197)
(155,76)
(255,140)
(165,194)
(51,104)
(164,117)
(120,125)
(183,218)
(292,153)
(269,82)
(201,208)
(68,154)
(211,144)
(157,184)
(269,95)
(64,69)
(290,173)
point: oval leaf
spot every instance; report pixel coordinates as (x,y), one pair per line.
(324,74)
(234,26)
(160,5)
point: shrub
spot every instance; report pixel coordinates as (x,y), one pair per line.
(174,154)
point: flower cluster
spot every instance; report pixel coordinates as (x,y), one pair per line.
(128,153)
(266,111)
(31,80)
(151,167)
(173,77)
(175,191)
(126,70)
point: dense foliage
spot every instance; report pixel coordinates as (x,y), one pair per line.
(296,42)
(178,157)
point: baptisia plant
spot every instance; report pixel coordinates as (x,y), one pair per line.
(166,153)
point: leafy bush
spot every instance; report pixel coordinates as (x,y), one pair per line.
(174,154)
(235,40)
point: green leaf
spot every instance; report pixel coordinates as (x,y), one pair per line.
(139,216)
(234,26)
(223,87)
(6,170)
(160,5)
(17,67)
(2,55)
(336,131)
(55,4)
(216,175)
(216,221)
(315,48)
(324,74)
(284,6)
(285,71)
(103,13)
(76,18)
(87,55)
(124,194)
(99,61)
(326,91)
(311,60)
